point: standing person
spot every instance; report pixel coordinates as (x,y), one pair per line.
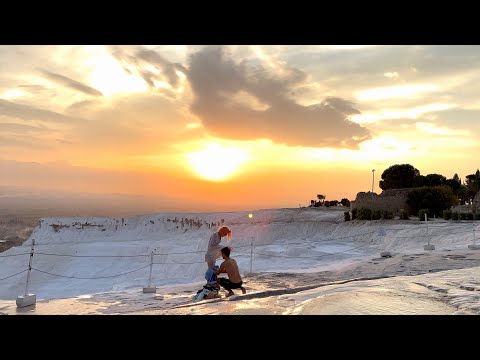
(213,251)
(230,267)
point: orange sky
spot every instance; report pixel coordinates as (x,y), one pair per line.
(238,127)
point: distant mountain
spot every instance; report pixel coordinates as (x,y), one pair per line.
(27,201)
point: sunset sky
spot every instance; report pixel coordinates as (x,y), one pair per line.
(235,127)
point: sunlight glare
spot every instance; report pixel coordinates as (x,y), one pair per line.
(217,163)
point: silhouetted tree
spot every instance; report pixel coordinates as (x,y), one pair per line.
(454,185)
(472,182)
(435,199)
(435,180)
(463,194)
(419,181)
(398,177)
(345,202)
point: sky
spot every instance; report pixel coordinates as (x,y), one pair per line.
(234,127)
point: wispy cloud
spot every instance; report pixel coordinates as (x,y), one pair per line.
(66,81)
(408,113)
(20,128)
(153,68)
(23,142)
(405,91)
(26,112)
(434,129)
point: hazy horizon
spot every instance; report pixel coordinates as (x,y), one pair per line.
(228,128)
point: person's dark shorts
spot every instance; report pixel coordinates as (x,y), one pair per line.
(227,284)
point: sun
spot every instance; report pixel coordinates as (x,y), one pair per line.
(217,163)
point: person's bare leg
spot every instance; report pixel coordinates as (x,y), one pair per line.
(230,293)
(243,290)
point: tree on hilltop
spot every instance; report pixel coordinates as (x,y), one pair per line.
(398,177)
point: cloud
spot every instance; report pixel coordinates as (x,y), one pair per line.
(150,65)
(167,68)
(216,78)
(404,91)
(19,128)
(391,75)
(63,80)
(35,89)
(404,113)
(133,123)
(26,112)
(25,142)
(434,129)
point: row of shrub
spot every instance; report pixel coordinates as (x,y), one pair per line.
(368,214)
(449,215)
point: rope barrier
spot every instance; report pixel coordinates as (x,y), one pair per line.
(92,256)
(94,278)
(201,251)
(1,256)
(8,277)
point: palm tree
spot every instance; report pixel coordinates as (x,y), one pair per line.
(321,198)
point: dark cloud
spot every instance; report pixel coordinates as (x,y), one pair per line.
(215,79)
(27,112)
(63,80)
(139,58)
(168,69)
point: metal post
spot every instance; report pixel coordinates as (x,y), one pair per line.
(28,299)
(151,264)
(251,255)
(30,266)
(373,179)
(473,226)
(426,224)
(150,288)
(474,246)
(428,246)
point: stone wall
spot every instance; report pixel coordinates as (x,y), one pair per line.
(393,200)
(462,208)
(476,202)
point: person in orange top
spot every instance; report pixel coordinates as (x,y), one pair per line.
(214,247)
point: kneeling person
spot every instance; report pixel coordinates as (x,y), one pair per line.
(230,267)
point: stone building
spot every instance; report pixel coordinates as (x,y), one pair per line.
(393,200)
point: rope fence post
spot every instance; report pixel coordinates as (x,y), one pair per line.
(28,299)
(428,246)
(474,246)
(251,255)
(250,216)
(385,253)
(150,288)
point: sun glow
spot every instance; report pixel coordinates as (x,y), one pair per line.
(108,77)
(217,163)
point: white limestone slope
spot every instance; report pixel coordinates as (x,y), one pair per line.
(294,240)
